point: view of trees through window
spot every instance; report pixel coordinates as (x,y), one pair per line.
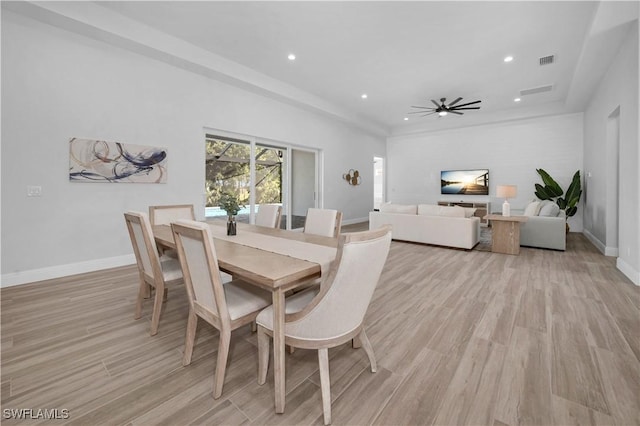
(227,170)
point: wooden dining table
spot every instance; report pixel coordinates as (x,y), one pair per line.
(274,272)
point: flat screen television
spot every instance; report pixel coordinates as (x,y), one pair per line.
(464,182)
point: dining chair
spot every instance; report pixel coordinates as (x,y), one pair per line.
(155,271)
(269,215)
(226,307)
(325,222)
(336,314)
(164,215)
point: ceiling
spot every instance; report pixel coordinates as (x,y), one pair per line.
(398,53)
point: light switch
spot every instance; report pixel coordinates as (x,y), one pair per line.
(34,191)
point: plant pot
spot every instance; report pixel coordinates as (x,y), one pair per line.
(231,225)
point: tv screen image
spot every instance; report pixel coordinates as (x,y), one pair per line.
(466,182)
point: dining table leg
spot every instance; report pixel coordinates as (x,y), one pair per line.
(279,349)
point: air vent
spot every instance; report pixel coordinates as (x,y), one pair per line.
(547,60)
(535,90)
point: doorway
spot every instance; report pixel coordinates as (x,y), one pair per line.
(612,229)
(378,182)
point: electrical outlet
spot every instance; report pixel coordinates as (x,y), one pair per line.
(34,191)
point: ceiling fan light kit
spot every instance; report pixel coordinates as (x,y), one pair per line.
(443,109)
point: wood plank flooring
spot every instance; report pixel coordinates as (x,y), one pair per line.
(461,337)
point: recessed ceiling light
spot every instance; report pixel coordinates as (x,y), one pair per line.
(516,100)
(291,57)
(406,119)
(364,96)
(508,59)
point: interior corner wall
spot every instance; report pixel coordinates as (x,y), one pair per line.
(57,85)
(512,151)
(617,89)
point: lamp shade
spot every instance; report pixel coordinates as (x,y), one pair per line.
(506,191)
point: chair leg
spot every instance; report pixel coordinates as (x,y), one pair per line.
(356,343)
(254,326)
(221,363)
(147,291)
(325,384)
(190,339)
(165,294)
(157,308)
(142,289)
(366,344)
(263,355)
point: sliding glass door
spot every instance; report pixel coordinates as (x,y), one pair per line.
(260,172)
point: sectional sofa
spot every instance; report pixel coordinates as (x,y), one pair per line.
(545,226)
(429,224)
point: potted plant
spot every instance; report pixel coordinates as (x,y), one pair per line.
(230,204)
(552,191)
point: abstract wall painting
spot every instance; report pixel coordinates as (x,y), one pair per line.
(101,161)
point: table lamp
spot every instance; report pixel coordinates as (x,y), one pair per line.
(506,192)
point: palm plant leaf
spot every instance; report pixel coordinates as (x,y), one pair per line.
(542,193)
(551,186)
(574,191)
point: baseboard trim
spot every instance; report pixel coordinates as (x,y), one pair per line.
(628,270)
(34,275)
(596,242)
(622,266)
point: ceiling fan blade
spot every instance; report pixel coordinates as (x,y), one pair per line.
(419,112)
(414,106)
(457,109)
(430,113)
(454,102)
(454,112)
(435,103)
(468,103)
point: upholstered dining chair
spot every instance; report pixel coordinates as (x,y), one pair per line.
(335,315)
(269,215)
(325,222)
(155,271)
(164,215)
(226,307)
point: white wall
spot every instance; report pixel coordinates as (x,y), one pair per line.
(618,88)
(57,85)
(511,151)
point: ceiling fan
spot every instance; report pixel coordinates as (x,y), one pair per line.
(443,109)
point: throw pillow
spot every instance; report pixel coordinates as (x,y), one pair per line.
(532,208)
(428,209)
(550,209)
(398,208)
(469,212)
(453,211)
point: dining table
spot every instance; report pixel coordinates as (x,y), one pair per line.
(276,260)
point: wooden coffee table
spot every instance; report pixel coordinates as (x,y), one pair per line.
(505,236)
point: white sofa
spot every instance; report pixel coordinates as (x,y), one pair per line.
(545,226)
(429,224)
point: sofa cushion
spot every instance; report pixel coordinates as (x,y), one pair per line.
(549,209)
(468,211)
(453,211)
(532,208)
(398,208)
(429,209)
(448,211)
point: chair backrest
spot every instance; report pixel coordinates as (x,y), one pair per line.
(199,264)
(164,215)
(269,215)
(144,244)
(325,222)
(344,297)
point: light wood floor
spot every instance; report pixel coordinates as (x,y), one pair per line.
(461,337)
